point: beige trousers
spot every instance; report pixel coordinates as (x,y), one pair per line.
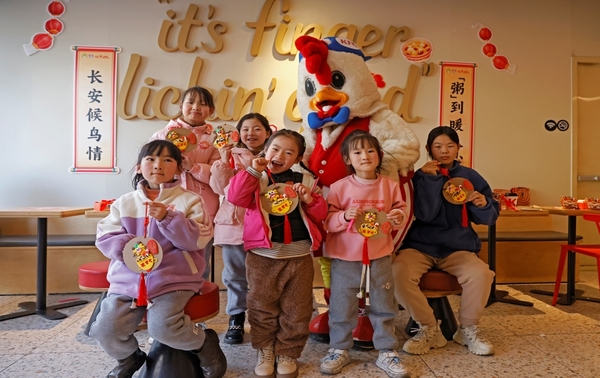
(473,275)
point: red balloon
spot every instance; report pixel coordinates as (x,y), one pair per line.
(42,41)
(485,34)
(56,8)
(54,26)
(489,50)
(500,62)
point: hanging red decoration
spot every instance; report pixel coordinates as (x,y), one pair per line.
(485,34)
(500,62)
(54,26)
(489,50)
(56,8)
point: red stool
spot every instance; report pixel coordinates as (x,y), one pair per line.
(92,277)
(437,285)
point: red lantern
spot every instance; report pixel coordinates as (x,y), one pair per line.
(489,50)
(54,26)
(42,41)
(56,8)
(500,62)
(485,34)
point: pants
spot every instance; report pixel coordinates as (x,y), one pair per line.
(234,278)
(116,323)
(473,275)
(280,302)
(208,250)
(343,303)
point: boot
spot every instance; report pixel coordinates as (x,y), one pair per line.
(235,333)
(212,359)
(128,366)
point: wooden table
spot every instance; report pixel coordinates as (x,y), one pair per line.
(97,213)
(42,214)
(572,295)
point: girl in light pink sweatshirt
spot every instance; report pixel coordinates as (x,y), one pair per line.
(363,209)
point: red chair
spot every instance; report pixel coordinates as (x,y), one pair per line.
(592,250)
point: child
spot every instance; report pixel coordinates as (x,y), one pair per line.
(441,237)
(197,105)
(254,131)
(348,199)
(177,220)
(279,265)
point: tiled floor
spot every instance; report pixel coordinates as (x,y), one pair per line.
(539,341)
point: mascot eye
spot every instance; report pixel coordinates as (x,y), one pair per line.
(310,87)
(337,79)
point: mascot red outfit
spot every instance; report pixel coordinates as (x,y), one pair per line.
(336,95)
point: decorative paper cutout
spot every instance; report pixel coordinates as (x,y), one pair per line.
(142,254)
(225,135)
(373,224)
(500,62)
(54,26)
(457,190)
(279,199)
(184,139)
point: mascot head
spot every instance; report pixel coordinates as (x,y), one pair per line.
(334,83)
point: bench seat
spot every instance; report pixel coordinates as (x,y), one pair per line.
(53,240)
(526,236)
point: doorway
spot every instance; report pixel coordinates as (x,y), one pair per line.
(586,141)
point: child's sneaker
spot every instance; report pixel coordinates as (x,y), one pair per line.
(471,337)
(390,363)
(427,337)
(265,366)
(286,367)
(335,361)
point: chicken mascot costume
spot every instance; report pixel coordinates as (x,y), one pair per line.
(336,95)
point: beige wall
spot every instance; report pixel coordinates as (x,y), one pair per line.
(512,147)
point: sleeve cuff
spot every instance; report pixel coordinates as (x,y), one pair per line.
(254,172)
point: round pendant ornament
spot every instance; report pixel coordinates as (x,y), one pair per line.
(142,255)
(457,190)
(225,135)
(279,199)
(373,224)
(183,138)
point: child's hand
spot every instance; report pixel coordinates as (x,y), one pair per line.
(431,167)
(157,210)
(260,164)
(352,213)
(186,163)
(303,192)
(396,216)
(225,153)
(478,199)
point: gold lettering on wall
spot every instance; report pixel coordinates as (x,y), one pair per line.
(176,35)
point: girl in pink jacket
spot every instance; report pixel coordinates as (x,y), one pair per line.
(254,131)
(363,209)
(197,105)
(280,231)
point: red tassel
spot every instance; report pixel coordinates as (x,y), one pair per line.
(287,231)
(465,216)
(365,252)
(142,299)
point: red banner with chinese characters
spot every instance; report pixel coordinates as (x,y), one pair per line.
(457,104)
(95,117)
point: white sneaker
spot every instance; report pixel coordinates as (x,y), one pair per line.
(265,366)
(390,363)
(471,337)
(335,361)
(286,367)
(427,337)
